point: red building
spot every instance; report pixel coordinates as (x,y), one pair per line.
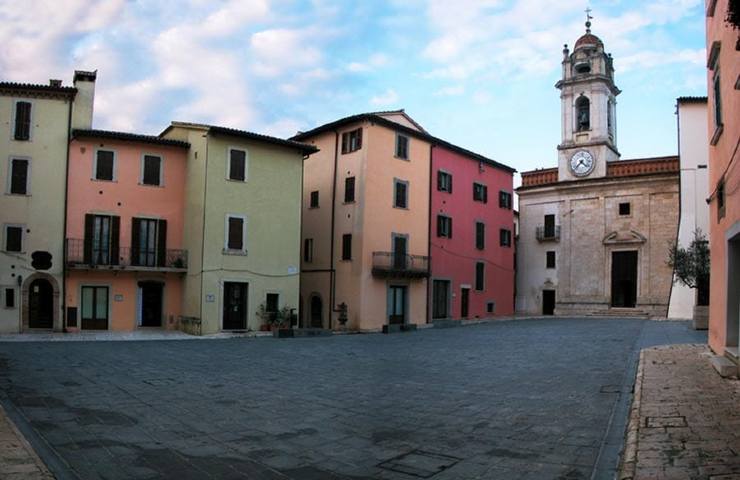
(471,236)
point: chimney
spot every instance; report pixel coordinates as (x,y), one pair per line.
(82,108)
(53,82)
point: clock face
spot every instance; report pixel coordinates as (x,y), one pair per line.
(582,163)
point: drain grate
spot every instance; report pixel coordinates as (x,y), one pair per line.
(419,463)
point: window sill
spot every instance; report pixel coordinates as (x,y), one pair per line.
(11,194)
(103,180)
(400,208)
(313,208)
(235,180)
(150,185)
(406,159)
(349,203)
(717,133)
(237,253)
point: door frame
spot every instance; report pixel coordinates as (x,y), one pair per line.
(732,285)
(610,266)
(554,301)
(110,303)
(140,301)
(448,314)
(222,291)
(406,302)
(467,287)
(25,300)
(309,309)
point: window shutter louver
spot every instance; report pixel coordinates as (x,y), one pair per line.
(23,121)
(135,240)
(162,243)
(87,247)
(115,248)
(19,176)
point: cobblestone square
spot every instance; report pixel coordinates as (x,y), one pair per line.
(523,399)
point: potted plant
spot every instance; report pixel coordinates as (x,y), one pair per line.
(267,318)
(691,267)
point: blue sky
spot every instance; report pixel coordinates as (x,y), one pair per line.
(479,73)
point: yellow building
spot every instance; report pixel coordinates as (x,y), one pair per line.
(242,225)
(36,122)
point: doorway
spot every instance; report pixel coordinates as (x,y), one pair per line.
(440,299)
(40,304)
(95,307)
(624,279)
(732,340)
(151,303)
(396,305)
(464,302)
(399,251)
(316,312)
(235,306)
(548,302)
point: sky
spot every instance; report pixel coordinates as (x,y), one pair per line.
(477,73)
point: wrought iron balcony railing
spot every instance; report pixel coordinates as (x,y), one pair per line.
(123,258)
(551,234)
(390,264)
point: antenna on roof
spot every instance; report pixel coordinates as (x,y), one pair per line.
(588,19)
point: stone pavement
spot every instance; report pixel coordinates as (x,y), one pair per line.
(516,400)
(685,418)
(18,461)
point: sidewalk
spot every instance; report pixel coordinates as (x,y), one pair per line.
(17,459)
(685,418)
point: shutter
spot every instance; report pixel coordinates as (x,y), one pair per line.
(359,139)
(19,176)
(449,220)
(23,121)
(439,226)
(162,243)
(485,194)
(345,142)
(450,183)
(235,234)
(135,240)
(439,181)
(115,244)
(87,248)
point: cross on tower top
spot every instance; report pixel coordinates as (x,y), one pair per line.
(588,19)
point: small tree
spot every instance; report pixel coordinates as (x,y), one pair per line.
(691,265)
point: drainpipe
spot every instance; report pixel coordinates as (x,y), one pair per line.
(429,229)
(64,227)
(332,273)
(203,231)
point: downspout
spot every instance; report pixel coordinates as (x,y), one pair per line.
(300,249)
(429,229)
(64,232)
(332,273)
(203,231)
(680,204)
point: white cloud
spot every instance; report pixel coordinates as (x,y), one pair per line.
(389,97)
(279,50)
(451,91)
(375,61)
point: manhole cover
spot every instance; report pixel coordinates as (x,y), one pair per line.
(419,463)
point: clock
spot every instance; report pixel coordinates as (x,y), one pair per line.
(582,163)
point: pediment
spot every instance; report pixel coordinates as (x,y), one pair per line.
(624,237)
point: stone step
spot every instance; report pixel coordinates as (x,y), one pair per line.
(619,312)
(724,366)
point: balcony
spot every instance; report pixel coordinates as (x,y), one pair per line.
(548,234)
(126,259)
(393,265)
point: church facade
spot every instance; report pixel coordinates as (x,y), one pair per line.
(595,231)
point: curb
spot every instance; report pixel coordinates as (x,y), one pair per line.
(43,471)
(628,462)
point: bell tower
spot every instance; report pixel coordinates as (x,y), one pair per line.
(588,111)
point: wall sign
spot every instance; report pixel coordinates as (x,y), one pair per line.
(210,298)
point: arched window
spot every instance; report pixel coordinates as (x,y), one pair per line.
(583,114)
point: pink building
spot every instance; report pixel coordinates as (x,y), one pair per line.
(472,235)
(124,233)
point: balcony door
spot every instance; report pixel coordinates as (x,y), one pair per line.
(148,242)
(101,239)
(400,251)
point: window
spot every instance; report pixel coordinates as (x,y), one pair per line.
(444,181)
(272,302)
(151,170)
(550,260)
(718,125)
(9,298)
(402,146)
(94,308)
(583,114)
(505,237)
(101,244)
(237,165)
(13,238)
(480,192)
(504,200)
(352,141)
(480,271)
(148,242)
(347,246)
(444,226)
(549,226)
(22,121)
(235,233)
(314,199)
(480,235)
(349,189)
(400,193)
(491,307)
(624,208)
(105,164)
(308,250)
(721,199)
(18,176)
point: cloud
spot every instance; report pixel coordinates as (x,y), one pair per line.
(375,61)
(389,97)
(279,50)
(451,91)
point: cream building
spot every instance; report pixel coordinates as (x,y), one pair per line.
(242,225)
(594,232)
(36,123)
(693,153)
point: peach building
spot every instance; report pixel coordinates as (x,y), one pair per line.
(723,63)
(124,236)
